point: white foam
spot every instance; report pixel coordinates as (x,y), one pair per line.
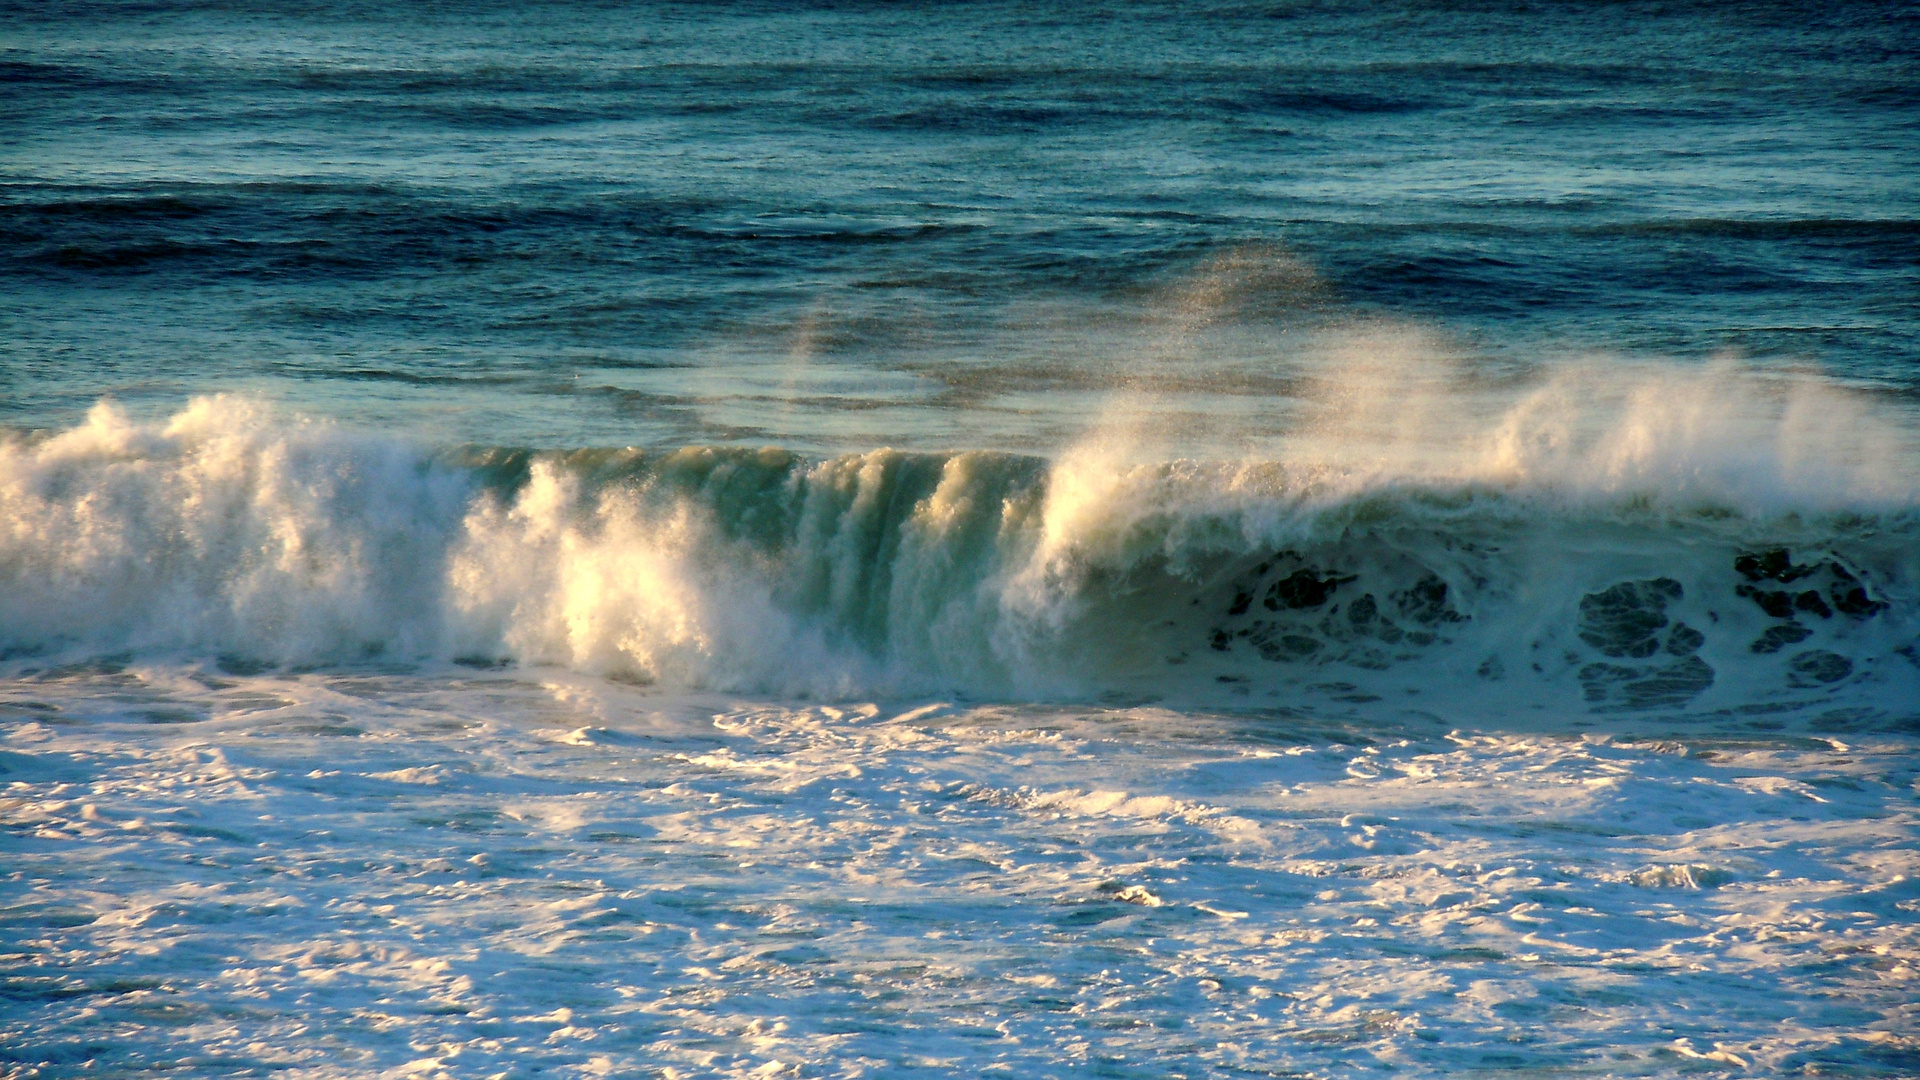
(234,530)
(715,885)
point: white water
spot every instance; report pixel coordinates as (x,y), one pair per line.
(1324,612)
(1519,727)
(553,874)
(1484,541)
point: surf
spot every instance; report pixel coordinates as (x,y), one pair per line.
(1693,545)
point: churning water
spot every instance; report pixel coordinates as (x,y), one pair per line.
(850,541)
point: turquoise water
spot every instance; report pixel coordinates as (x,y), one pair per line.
(836,228)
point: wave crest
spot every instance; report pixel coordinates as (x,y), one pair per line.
(232,531)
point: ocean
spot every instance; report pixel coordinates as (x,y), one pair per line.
(845,540)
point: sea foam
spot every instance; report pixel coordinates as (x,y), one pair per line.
(1670,540)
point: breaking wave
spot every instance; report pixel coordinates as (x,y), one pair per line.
(1686,549)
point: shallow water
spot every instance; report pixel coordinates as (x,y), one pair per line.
(850,542)
(337,875)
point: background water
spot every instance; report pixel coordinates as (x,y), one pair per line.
(850,226)
(1128,541)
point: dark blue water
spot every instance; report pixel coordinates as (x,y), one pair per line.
(843,226)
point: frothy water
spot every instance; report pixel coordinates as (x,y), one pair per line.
(876,542)
(1537,730)
(1678,541)
(332,875)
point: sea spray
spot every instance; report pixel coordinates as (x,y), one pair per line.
(227,527)
(1729,561)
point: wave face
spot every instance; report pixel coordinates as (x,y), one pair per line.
(1698,570)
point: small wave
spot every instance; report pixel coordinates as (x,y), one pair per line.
(1768,228)
(109,208)
(1297,100)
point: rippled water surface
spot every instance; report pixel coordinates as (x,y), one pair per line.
(842,227)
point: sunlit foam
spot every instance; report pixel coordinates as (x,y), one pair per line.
(1454,546)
